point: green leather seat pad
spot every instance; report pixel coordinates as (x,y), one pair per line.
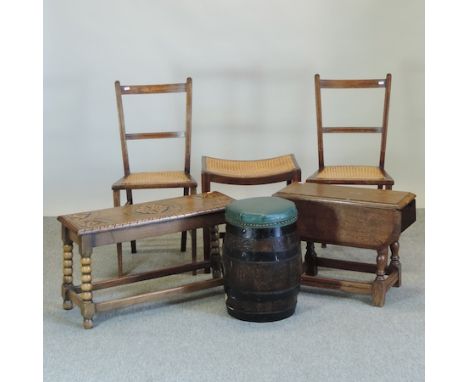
(261,212)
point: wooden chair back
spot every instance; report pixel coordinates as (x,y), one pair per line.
(352,84)
(124,90)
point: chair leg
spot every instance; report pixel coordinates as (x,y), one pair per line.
(193,236)
(130,201)
(388,187)
(116,195)
(206,187)
(183,239)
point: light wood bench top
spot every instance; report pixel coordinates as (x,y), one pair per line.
(130,216)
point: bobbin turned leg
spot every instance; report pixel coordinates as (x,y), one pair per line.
(310,260)
(378,286)
(215,254)
(67,274)
(87,305)
(395,264)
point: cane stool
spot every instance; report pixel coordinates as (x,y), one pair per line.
(246,172)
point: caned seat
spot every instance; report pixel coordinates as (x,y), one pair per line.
(157,179)
(352,174)
(283,167)
(246,172)
(167,179)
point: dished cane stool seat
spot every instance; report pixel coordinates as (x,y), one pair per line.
(262,259)
(240,171)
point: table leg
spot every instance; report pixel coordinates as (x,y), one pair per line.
(378,286)
(395,261)
(67,273)
(215,255)
(87,306)
(310,260)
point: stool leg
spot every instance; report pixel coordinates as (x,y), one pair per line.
(215,252)
(130,201)
(87,306)
(395,261)
(378,286)
(310,260)
(67,274)
(116,195)
(193,236)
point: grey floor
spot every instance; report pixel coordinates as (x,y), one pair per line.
(332,336)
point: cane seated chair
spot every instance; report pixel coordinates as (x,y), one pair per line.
(246,172)
(153,180)
(352,174)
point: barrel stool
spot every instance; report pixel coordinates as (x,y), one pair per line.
(262,259)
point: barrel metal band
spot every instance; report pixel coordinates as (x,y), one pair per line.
(262,225)
(236,254)
(261,296)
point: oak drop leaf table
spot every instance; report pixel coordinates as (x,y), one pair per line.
(353,217)
(133,222)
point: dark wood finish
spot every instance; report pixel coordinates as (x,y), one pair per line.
(164,134)
(151,89)
(262,271)
(354,217)
(187,182)
(352,84)
(157,295)
(343,285)
(136,221)
(320,176)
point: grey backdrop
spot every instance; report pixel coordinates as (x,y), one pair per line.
(252,64)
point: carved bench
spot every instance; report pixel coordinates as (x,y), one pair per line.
(354,217)
(132,222)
